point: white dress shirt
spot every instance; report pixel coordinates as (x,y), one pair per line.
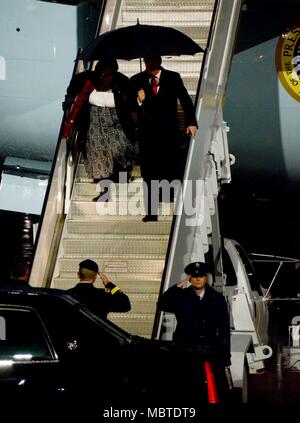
(102,98)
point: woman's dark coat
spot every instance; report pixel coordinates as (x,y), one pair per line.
(120,89)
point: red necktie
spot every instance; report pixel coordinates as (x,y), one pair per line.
(155,85)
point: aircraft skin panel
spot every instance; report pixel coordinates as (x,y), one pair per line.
(33,130)
(38,44)
(251,110)
(290,127)
(264,122)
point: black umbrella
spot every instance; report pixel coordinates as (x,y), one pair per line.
(132,42)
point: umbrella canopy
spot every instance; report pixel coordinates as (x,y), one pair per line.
(132,42)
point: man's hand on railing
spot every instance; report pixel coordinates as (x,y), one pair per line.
(191,130)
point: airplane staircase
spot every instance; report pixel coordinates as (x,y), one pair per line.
(136,255)
(130,252)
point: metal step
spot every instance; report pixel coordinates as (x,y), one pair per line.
(116,237)
(108,247)
(169,4)
(166,17)
(131,193)
(137,324)
(81,173)
(118,228)
(117,265)
(143,303)
(110,211)
(146,283)
(84,190)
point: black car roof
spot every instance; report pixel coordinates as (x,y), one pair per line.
(11,290)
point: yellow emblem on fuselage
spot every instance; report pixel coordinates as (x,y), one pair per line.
(288,61)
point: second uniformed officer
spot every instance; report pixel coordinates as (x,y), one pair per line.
(201,312)
(203,323)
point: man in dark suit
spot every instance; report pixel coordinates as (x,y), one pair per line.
(98,300)
(154,96)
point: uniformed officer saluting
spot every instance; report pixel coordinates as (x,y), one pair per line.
(201,313)
(99,300)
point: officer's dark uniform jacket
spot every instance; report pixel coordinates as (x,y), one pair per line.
(99,300)
(199,321)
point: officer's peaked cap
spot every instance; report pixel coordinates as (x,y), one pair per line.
(197,268)
(90,265)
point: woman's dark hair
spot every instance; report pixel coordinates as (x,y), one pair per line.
(106,63)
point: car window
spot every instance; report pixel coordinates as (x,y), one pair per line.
(69,323)
(92,333)
(22,336)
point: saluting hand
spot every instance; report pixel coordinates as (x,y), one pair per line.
(104,278)
(184,283)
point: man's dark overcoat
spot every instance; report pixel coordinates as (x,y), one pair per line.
(158,123)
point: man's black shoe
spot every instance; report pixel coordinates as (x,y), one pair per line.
(150,218)
(101,194)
